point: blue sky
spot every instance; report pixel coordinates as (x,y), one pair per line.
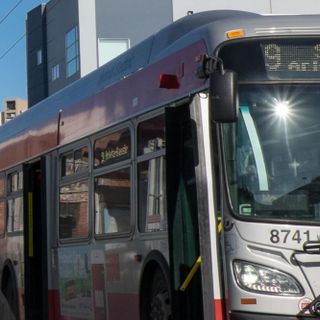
(13,78)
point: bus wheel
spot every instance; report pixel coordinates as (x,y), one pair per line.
(160,301)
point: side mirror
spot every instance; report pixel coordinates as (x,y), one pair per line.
(223,96)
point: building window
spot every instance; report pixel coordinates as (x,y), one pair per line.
(72,51)
(55,72)
(111,48)
(39,57)
(11,104)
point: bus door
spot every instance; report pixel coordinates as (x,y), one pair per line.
(35,248)
(182,214)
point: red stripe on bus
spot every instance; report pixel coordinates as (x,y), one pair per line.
(53,305)
(218,309)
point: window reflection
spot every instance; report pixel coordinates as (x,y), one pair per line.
(2,217)
(2,187)
(73,216)
(273,161)
(112,202)
(152,199)
(151,135)
(15,181)
(15,214)
(75,162)
(112,148)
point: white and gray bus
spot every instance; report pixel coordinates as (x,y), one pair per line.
(178,181)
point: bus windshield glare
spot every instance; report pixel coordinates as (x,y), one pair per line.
(272,154)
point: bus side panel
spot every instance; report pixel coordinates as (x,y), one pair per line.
(134,94)
(99,282)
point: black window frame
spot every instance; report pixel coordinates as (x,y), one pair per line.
(3,199)
(114,166)
(76,177)
(14,194)
(146,157)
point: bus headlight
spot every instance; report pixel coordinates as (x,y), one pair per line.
(257,278)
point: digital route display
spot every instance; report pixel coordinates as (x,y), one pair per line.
(283,61)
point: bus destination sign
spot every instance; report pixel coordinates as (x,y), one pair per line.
(298,61)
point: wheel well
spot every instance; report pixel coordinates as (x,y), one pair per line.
(155,260)
(7,273)
(9,286)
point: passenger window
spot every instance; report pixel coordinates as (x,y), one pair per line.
(73,213)
(2,187)
(15,202)
(2,217)
(15,214)
(112,148)
(2,205)
(15,182)
(112,202)
(151,175)
(74,162)
(152,195)
(151,135)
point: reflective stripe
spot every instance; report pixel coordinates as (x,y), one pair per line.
(256,147)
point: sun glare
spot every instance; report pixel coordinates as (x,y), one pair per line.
(282,109)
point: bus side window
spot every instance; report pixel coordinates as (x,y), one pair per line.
(112,202)
(73,212)
(15,202)
(2,205)
(151,175)
(152,201)
(74,162)
(112,148)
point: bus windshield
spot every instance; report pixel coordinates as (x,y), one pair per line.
(272,153)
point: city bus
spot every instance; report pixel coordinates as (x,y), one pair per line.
(178,181)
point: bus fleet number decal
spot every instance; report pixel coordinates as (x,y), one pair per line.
(286,235)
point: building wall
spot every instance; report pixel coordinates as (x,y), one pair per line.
(87,36)
(123,20)
(295,7)
(37,77)
(62,16)
(107,20)
(181,7)
(12,108)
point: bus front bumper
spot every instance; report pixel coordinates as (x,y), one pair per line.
(259,316)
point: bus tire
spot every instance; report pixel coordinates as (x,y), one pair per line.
(9,290)
(156,297)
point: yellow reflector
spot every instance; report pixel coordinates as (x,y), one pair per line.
(235,33)
(248,301)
